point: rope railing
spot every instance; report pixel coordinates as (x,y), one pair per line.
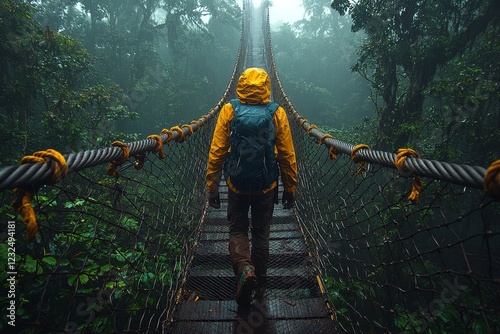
(391,266)
(470,176)
(112,252)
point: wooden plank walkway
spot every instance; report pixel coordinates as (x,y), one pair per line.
(293,302)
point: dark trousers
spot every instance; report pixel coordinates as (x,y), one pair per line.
(262,207)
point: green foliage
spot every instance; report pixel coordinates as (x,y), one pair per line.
(51,95)
(406,46)
(456,312)
(95,256)
(313,58)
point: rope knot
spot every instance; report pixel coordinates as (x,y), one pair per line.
(311,127)
(190,128)
(354,157)
(416,183)
(126,153)
(159,145)
(54,159)
(492,181)
(332,151)
(22,203)
(169,135)
(179,130)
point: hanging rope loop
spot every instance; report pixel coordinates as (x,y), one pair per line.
(22,203)
(159,145)
(354,157)
(179,138)
(169,135)
(311,127)
(332,151)
(112,170)
(401,156)
(416,183)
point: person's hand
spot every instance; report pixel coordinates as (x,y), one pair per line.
(288,200)
(214,200)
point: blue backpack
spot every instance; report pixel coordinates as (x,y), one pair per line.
(251,164)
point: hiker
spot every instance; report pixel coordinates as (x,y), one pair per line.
(252,140)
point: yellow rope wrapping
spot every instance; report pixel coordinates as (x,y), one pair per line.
(159,146)
(303,120)
(312,126)
(189,127)
(416,183)
(354,158)
(22,203)
(492,181)
(168,133)
(332,151)
(324,137)
(181,133)
(126,153)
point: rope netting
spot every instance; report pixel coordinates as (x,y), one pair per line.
(392,266)
(112,252)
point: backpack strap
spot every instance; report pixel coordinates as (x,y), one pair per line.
(271,106)
(235,103)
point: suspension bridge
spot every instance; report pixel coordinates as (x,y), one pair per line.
(121,239)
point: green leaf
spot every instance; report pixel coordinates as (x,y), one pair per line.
(49,260)
(84,279)
(72,279)
(31,266)
(105,268)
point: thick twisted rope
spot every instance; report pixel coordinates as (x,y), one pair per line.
(33,174)
(24,196)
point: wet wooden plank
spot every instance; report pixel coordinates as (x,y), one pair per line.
(201,327)
(227,310)
(275,235)
(298,271)
(292,246)
(219,216)
(276,259)
(221,284)
(274,228)
(258,325)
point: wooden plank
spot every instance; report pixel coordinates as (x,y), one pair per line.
(219,216)
(299,271)
(227,310)
(296,309)
(275,235)
(293,246)
(275,259)
(274,228)
(201,327)
(257,324)
(224,288)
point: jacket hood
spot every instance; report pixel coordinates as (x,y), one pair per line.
(254,86)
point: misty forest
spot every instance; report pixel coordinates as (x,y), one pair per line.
(81,75)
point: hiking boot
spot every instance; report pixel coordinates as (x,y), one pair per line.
(246,284)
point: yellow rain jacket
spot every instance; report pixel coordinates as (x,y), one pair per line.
(254,87)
